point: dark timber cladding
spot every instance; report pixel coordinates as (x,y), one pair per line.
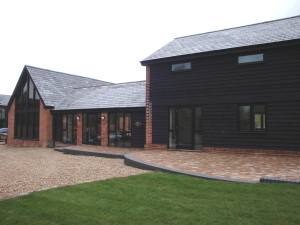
(219,84)
(246,81)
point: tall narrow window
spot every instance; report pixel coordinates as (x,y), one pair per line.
(120,129)
(91,128)
(252,117)
(259,117)
(27,111)
(245,123)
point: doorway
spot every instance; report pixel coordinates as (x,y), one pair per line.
(120,129)
(185,130)
(91,129)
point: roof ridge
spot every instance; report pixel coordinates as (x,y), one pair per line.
(231,28)
(110,85)
(66,73)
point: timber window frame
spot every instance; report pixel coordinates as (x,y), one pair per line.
(252,117)
(27,111)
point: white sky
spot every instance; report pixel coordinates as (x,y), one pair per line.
(107,39)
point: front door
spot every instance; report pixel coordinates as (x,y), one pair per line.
(120,129)
(185,130)
(68,128)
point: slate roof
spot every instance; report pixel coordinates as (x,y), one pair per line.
(65,92)
(255,34)
(54,86)
(124,95)
(4,99)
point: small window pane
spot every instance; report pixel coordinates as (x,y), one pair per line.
(245,118)
(31,90)
(172,119)
(251,58)
(181,66)
(259,117)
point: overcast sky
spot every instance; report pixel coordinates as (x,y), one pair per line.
(107,39)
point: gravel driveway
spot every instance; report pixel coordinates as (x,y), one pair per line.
(24,170)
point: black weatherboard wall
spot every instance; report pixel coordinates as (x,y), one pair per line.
(219,84)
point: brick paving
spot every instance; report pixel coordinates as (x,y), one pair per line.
(24,170)
(243,166)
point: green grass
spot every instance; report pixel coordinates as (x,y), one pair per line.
(157,198)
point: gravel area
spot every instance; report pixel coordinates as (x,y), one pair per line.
(24,170)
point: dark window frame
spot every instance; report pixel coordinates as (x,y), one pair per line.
(252,118)
(86,125)
(195,130)
(115,142)
(27,111)
(183,69)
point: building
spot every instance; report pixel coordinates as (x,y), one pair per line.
(48,106)
(3,110)
(237,88)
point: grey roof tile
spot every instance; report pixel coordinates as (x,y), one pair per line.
(124,95)
(256,34)
(54,86)
(65,92)
(4,99)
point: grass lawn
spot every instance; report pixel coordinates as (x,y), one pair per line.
(157,198)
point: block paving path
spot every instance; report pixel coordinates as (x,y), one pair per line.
(250,166)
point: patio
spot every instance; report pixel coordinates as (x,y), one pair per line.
(248,166)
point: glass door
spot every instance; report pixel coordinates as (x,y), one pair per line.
(91,128)
(184,120)
(68,128)
(185,130)
(120,129)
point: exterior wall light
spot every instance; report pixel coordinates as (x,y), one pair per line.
(102,117)
(77,117)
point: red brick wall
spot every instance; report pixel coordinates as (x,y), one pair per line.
(11,124)
(148,109)
(45,135)
(45,129)
(79,124)
(104,129)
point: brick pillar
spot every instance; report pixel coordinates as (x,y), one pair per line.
(79,124)
(149,131)
(11,124)
(148,109)
(45,135)
(104,129)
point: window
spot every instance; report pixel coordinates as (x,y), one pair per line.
(27,111)
(2,118)
(252,117)
(120,131)
(251,58)
(185,127)
(91,128)
(181,66)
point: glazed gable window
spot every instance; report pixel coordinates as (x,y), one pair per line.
(252,117)
(255,58)
(181,66)
(27,111)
